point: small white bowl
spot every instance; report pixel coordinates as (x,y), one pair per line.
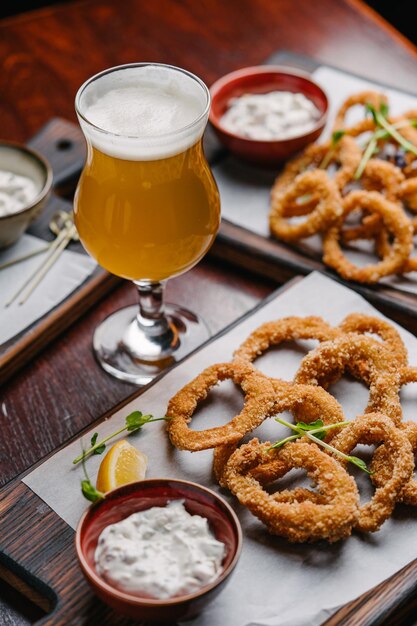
(23,161)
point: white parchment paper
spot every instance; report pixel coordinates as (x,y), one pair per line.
(275,583)
(245,190)
(68,272)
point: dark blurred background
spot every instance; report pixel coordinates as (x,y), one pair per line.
(397,12)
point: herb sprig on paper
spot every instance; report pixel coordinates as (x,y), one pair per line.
(133,422)
(87,488)
(316,431)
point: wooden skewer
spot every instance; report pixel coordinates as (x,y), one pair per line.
(51,260)
(24,257)
(52,248)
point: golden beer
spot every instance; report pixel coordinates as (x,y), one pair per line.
(147,220)
(146,206)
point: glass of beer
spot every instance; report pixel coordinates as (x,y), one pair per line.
(146,207)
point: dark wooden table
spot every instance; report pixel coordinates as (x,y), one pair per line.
(45,56)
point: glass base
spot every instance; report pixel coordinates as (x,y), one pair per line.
(123,350)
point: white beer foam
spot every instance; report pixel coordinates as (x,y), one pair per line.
(143,113)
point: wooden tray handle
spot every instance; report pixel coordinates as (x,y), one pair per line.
(388,604)
(62,143)
(38,557)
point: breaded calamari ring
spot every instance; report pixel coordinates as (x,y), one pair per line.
(382,466)
(368,228)
(408,193)
(284,329)
(381,462)
(367,125)
(306,402)
(395,223)
(346,156)
(376,428)
(361,323)
(326,208)
(383,247)
(385,178)
(410,170)
(375,98)
(259,399)
(298,494)
(408,375)
(333,358)
(303,521)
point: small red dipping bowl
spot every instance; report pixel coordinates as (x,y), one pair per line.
(134,497)
(258,80)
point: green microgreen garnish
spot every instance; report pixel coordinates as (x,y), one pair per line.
(87,488)
(367,154)
(392,130)
(384,131)
(99,449)
(336,137)
(316,431)
(133,423)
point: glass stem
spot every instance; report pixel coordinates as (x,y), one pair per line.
(151,317)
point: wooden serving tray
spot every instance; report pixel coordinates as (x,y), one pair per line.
(279,261)
(38,558)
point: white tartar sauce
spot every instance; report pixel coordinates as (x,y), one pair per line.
(15,192)
(160,552)
(269,116)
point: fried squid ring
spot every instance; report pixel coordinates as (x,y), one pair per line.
(298,494)
(346,156)
(382,466)
(410,170)
(375,98)
(376,428)
(383,247)
(368,228)
(366,125)
(384,177)
(379,176)
(298,521)
(395,223)
(285,329)
(327,206)
(408,193)
(361,323)
(306,402)
(408,375)
(332,358)
(259,399)
(381,462)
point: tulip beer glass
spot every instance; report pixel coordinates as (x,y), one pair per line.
(146,207)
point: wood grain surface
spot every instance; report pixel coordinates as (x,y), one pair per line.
(45,56)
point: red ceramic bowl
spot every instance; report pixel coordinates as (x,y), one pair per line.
(262,79)
(122,502)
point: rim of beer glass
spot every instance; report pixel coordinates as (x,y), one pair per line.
(117,68)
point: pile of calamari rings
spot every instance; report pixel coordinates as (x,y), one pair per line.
(365,347)
(326,187)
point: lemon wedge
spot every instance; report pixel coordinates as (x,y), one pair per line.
(122,464)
